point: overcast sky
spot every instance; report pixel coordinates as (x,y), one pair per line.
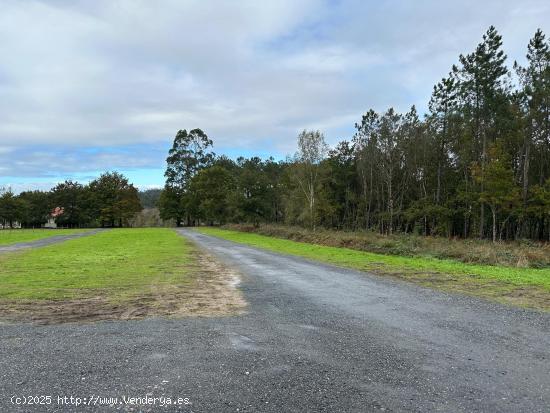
(88,86)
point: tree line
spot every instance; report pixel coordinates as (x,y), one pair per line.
(476,165)
(107,201)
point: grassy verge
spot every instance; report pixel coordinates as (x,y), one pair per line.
(523,254)
(13,236)
(528,287)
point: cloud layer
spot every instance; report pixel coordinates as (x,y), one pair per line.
(86,86)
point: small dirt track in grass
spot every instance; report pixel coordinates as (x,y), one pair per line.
(38,239)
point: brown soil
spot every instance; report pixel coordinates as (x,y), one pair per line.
(212,292)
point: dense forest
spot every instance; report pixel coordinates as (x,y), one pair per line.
(477,165)
(107,201)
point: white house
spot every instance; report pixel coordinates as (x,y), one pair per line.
(57,211)
(51,223)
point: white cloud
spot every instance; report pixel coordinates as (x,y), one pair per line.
(251,73)
(330,60)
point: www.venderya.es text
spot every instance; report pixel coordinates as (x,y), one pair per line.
(97,400)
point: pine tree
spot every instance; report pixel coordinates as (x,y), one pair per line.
(483,93)
(365,142)
(535,79)
(442,107)
(499,188)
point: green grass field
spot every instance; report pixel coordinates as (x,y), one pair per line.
(13,236)
(523,286)
(521,253)
(115,264)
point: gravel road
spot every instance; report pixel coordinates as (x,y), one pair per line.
(314,338)
(46,241)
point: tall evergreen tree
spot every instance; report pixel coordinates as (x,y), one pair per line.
(499,187)
(365,146)
(535,80)
(442,107)
(483,92)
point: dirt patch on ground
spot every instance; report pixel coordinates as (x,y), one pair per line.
(212,292)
